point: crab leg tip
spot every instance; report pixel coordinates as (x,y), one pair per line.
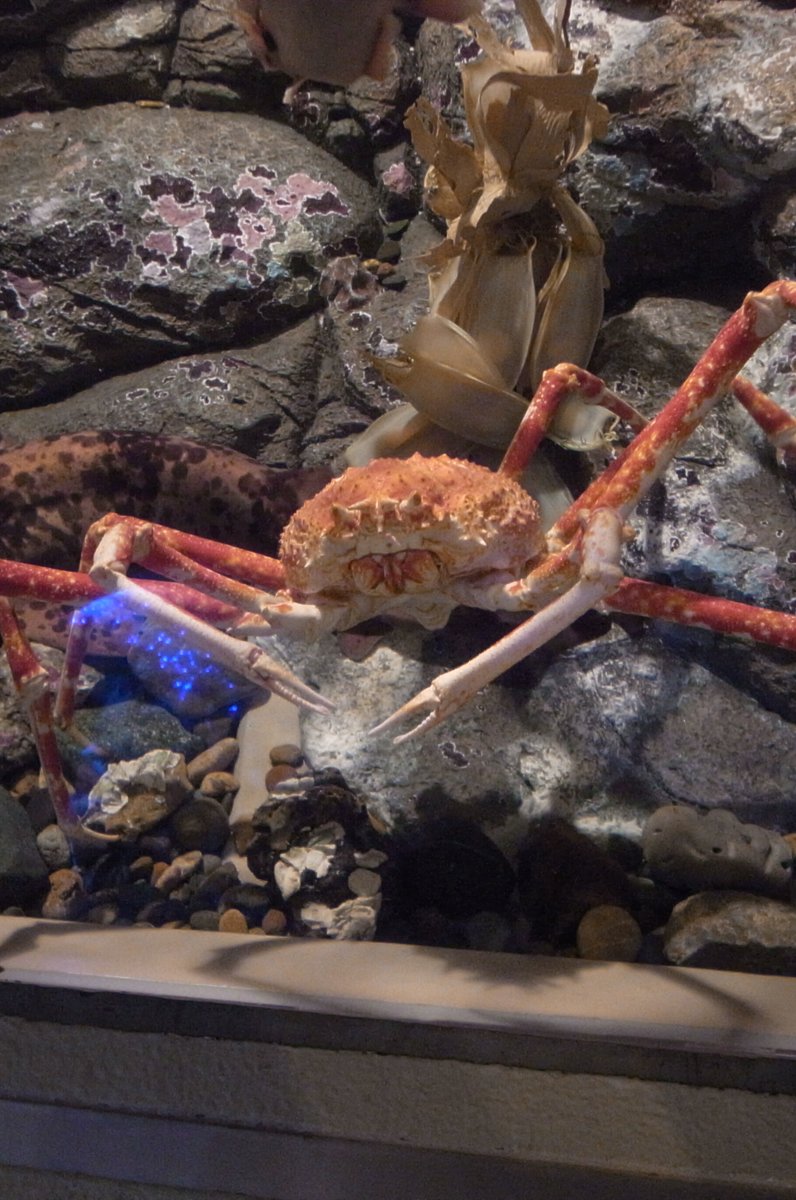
(301,695)
(428,698)
(81,835)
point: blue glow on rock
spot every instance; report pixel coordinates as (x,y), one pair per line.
(164,659)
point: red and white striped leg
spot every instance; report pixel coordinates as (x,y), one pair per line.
(557,385)
(684,607)
(634,472)
(33,687)
(777,424)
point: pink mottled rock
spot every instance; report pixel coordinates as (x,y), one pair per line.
(186,215)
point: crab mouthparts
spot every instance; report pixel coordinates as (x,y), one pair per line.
(391,574)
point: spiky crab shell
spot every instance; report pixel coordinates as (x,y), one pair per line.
(469,518)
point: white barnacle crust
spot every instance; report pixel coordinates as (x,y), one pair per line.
(461,517)
(353,920)
(152,771)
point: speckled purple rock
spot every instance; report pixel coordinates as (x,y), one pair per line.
(132,234)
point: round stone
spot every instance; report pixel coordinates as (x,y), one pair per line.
(279,774)
(364,883)
(287,754)
(609,933)
(249,899)
(200,824)
(218,757)
(205,919)
(53,846)
(274,921)
(232,921)
(66,897)
(218,783)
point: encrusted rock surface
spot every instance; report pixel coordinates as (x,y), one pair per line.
(733,931)
(133,796)
(689,849)
(181,227)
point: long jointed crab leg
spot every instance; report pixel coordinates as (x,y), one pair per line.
(599,575)
(557,385)
(32,684)
(217,569)
(129,541)
(651,451)
(684,607)
(777,424)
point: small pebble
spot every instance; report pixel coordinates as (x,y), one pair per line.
(389,251)
(288,754)
(53,846)
(233,921)
(158,869)
(609,933)
(217,784)
(205,919)
(218,757)
(279,774)
(180,869)
(213,886)
(66,896)
(274,921)
(364,883)
(141,868)
(395,281)
(250,899)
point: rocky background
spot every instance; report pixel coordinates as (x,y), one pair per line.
(181,254)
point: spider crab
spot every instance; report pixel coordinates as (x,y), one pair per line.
(414,538)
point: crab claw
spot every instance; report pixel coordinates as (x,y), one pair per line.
(453,689)
(258,666)
(443,696)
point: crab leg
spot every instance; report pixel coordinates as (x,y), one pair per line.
(557,385)
(211,566)
(127,541)
(33,686)
(602,510)
(599,575)
(777,424)
(683,607)
(20,581)
(651,451)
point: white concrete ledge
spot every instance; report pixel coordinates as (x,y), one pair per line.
(529,1072)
